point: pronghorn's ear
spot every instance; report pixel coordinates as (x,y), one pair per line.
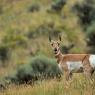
(59,37)
(49,38)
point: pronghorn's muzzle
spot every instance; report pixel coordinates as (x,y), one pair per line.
(55,49)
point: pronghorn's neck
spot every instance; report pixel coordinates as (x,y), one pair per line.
(59,56)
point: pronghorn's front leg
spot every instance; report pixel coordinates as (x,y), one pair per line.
(67,72)
(68,75)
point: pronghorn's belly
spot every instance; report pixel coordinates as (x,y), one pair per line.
(92,60)
(75,66)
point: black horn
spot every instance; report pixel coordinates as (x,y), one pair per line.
(49,38)
(59,37)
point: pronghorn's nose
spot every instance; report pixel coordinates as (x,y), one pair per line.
(55,49)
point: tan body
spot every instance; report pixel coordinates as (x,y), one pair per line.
(82,58)
(64,59)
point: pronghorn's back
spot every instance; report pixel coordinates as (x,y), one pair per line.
(75,57)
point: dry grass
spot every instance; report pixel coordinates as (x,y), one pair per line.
(16,17)
(78,86)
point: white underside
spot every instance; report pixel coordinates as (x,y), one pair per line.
(74,66)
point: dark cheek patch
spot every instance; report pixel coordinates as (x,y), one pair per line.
(58,43)
(52,44)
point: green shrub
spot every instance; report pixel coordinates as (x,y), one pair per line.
(5,54)
(45,66)
(85,11)
(34,8)
(39,68)
(57,5)
(91,37)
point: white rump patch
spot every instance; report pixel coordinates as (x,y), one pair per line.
(92,60)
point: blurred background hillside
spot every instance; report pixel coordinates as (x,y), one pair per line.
(25,26)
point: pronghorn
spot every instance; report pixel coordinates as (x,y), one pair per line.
(73,63)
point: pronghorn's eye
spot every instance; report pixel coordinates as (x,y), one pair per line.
(52,44)
(58,43)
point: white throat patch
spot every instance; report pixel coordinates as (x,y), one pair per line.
(60,67)
(58,53)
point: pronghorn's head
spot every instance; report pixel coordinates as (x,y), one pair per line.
(55,44)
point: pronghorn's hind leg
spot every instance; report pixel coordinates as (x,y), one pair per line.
(92,72)
(88,73)
(88,76)
(70,75)
(88,70)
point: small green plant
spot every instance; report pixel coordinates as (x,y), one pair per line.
(34,8)
(5,54)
